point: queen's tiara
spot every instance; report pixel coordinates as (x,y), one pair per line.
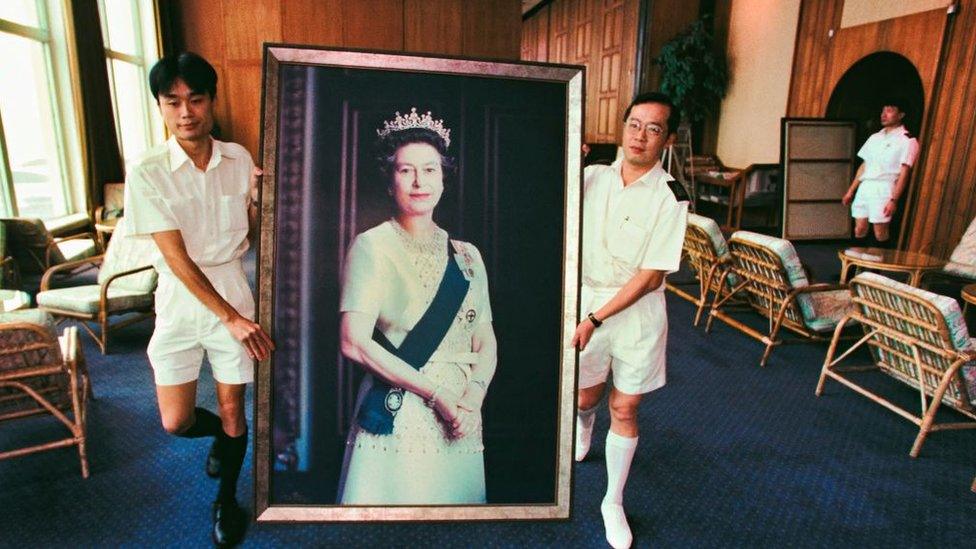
(414,120)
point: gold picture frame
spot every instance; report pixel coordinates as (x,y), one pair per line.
(517,133)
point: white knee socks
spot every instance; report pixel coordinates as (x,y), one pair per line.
(584,431)
(620,453)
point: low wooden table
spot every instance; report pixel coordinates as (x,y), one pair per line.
(968,296)
(915,264)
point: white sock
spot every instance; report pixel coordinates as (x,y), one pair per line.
(620,454)
(584,431)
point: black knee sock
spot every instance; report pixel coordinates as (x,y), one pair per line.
(232,451)
(207,424)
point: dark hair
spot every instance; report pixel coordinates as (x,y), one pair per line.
(198,74)
(896,102)
(387,147)
(674,115)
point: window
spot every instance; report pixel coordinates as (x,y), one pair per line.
(40,156)
(131,48)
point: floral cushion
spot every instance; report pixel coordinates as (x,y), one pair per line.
(828,308)
(965,252)
(969,373)
(85,299)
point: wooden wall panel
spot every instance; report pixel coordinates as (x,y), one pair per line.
(560,27)
(535,36)
(373,24)
(492,28)
(198,33)
(433,26)
(242,80)
(945,201)
(231,33)
(810,58)
(312,22)
(600,34)
(247,26)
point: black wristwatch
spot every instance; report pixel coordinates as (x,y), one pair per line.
(593,319)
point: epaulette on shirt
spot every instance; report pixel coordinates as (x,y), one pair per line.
(678,190)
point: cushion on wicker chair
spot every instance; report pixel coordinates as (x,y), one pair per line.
(965,252)
(719,243)
(34,316)
(961,269)
(710,227)
(126,253)
(821,310)
(72,250)
(84,299)
(12,300)
(828,308)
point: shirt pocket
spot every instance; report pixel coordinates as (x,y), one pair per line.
(233,212)
(628,242)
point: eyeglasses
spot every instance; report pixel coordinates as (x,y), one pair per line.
(634,125)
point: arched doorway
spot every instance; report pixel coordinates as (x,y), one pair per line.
(864,87)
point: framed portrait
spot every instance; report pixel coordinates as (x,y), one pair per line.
(422,370)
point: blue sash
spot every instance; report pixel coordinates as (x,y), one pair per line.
(383,401)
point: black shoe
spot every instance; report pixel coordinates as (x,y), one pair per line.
(229,524)
(213,461)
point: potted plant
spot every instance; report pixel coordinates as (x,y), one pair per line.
(693,74)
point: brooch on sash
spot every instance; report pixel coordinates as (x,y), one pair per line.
(394,400)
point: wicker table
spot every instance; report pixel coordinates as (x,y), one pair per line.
(915,264)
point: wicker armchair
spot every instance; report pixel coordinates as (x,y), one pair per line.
(43,374)
(126,284)
(36,248)
(772,281)
(707,254)
(917,337)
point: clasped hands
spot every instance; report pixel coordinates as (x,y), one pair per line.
(461,413)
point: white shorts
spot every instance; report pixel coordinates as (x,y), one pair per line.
(186,330)
(870,201)
(631,344)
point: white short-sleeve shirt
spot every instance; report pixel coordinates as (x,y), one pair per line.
(885,152)
(640,226)
(164,191)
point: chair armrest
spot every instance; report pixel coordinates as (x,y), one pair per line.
(103,294)
(46,279)
(99,212)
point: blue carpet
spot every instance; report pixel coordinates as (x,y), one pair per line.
(730,455)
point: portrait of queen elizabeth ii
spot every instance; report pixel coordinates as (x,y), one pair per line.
(417,317)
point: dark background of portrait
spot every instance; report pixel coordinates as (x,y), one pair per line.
(508,138)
